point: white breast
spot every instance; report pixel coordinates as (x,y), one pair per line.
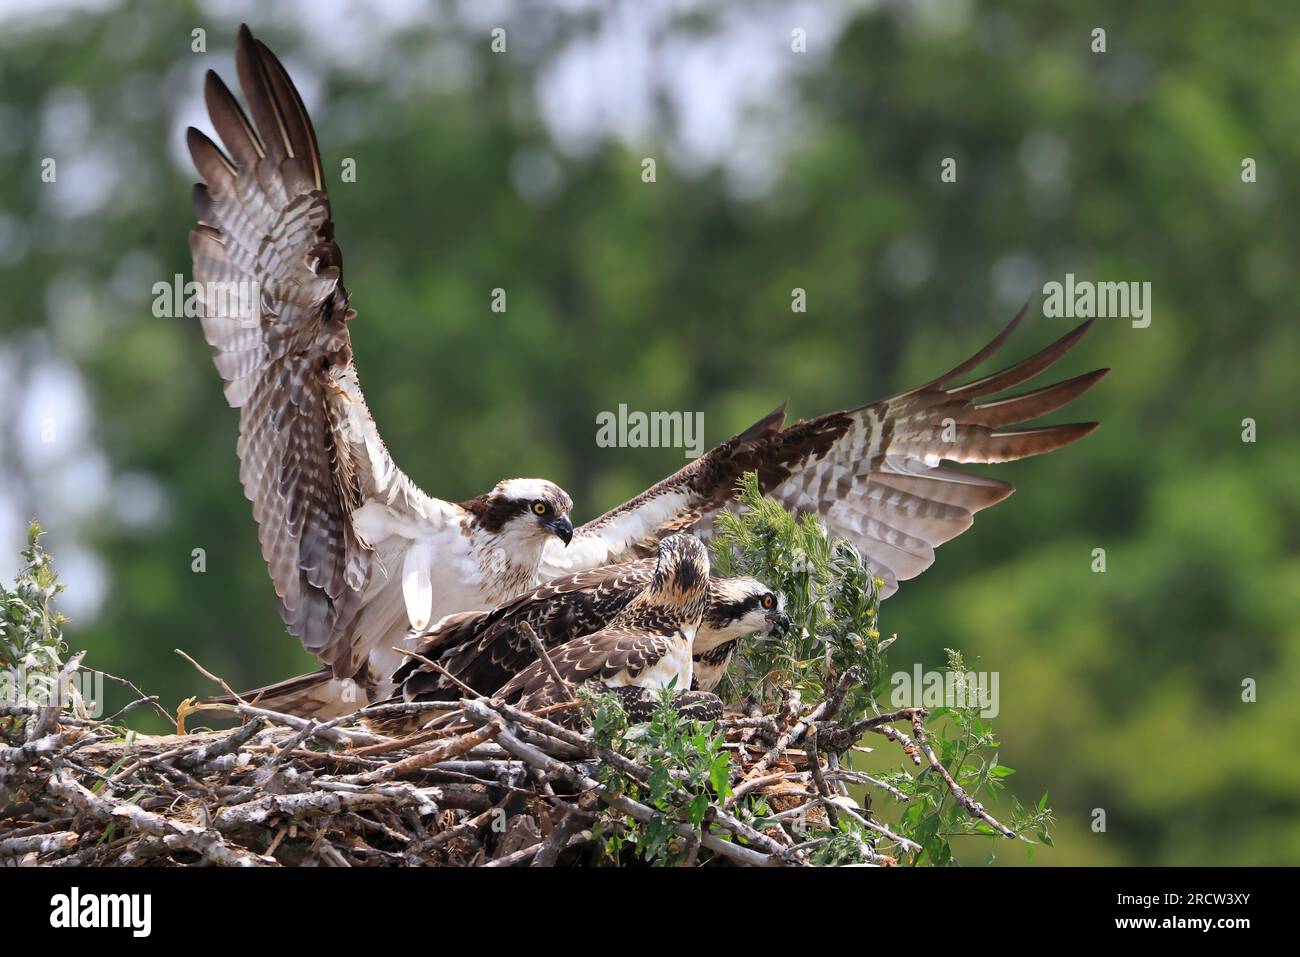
(709,675)
(450,581)
(677,663)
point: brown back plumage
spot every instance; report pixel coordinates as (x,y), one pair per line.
(485,649)
(656,623)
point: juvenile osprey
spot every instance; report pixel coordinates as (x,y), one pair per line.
(360,556)
(485,649)
(646,647)
(736,610)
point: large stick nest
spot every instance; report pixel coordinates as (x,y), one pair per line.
(492,785)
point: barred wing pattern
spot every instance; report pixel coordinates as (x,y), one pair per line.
(310,455)
(872,473)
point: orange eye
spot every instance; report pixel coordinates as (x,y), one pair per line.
(768,601)
(539,508)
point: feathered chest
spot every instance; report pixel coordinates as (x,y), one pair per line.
(498,567)
(671,665)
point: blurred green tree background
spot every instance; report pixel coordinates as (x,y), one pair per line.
(776,169)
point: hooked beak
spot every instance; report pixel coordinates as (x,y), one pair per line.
(562,527)
(778,622)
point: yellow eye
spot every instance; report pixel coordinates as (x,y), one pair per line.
(539,508)
(768,601)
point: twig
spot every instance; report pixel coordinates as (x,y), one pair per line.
(38,843)
(318,803)
(909,746)
(539,649)
(751,784)
(174,834)
(815,767)
(223,746)
(973,807)
(141,698)
(49,718)
(326,731)
(858,777)
(569,825)
(211,677)
(442,752)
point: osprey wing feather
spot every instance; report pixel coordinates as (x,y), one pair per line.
(873,473)
(310,455)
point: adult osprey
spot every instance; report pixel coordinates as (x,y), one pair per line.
(360,556)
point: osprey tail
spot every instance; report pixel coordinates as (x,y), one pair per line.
(315,695)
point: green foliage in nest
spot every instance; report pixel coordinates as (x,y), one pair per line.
(31,631)
(689,773)
(832,600)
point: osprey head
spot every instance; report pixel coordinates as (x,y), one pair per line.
(530,508)
(740,607)
(680,583)
(682,565)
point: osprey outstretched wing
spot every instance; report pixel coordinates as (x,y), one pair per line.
(358,554)
(873,473)
(309,453)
